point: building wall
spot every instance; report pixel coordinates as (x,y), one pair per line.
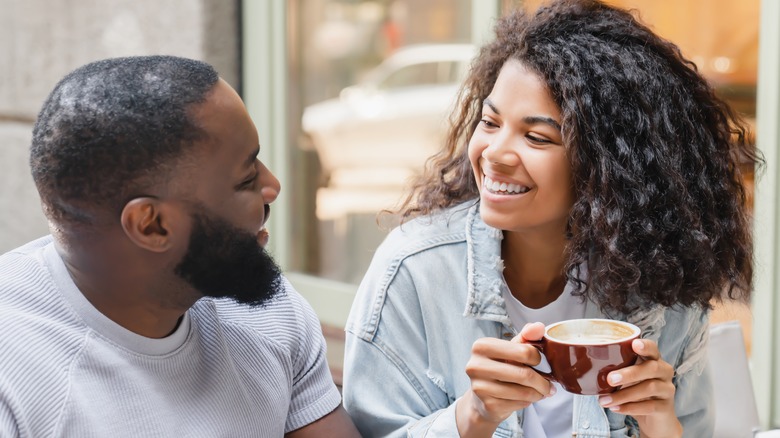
(42,40)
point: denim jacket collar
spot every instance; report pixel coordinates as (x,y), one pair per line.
(486,285)
(485,271)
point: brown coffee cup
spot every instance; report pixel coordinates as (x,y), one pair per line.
(582,352)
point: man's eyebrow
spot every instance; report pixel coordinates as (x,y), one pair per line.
(528,120)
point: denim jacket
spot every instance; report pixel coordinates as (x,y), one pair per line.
(433,288)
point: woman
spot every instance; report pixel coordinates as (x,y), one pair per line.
(590,172)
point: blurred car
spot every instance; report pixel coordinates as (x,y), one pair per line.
(380,131)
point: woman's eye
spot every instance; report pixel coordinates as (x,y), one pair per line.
(538,140)
(488,123)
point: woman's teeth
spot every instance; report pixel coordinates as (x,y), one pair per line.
(503,188)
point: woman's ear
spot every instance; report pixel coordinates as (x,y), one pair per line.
(149,223)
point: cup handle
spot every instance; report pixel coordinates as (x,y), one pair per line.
(540,345)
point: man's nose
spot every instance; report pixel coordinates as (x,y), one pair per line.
(269,185)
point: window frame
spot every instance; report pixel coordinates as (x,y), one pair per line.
(765,356)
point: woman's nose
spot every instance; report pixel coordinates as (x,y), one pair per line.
(501,150)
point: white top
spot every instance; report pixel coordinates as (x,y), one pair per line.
(549,417)
(228,370)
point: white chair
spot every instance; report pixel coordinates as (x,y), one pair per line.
(736,415)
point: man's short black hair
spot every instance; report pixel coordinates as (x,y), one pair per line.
(111,128)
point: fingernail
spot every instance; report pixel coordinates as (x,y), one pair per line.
(552,390)
(639,345)
(615,378)
(614,408)
(603,401)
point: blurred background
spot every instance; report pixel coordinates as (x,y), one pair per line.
(351,96)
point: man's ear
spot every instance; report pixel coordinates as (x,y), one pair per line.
(148,222)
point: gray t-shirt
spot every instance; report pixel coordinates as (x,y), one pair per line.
(228,370)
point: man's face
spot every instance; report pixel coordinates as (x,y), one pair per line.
(227,194)
(225,261)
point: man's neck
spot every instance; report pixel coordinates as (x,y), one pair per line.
(120,292)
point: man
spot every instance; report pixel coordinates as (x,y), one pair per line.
(153,310)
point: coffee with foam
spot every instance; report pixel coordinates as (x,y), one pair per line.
(590,332)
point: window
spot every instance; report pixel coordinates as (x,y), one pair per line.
(369,87)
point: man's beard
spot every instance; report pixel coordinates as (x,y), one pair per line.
(224,261)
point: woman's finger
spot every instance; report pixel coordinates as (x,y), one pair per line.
(530,332)
(486,389)
(648,370)
(499,349)
(646,349)
(648,390)
(641,408)
(485,369)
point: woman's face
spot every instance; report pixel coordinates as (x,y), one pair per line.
(518,158)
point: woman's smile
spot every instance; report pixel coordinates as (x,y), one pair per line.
(503,188)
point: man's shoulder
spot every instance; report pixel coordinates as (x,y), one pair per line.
(30,247)
(39,336)
(25,282)
(16,263)
(283,320)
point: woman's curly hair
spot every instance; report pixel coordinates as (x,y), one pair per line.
(659,215)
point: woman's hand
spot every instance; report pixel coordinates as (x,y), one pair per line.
(502,382)
(646,393)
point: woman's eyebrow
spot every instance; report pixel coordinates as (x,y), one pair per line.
(492,106)
(530,120)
